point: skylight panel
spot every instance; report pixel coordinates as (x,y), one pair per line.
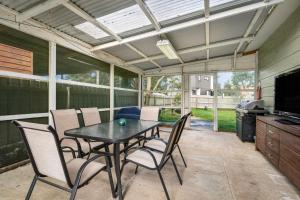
(91,30)
(169,9)
(213,3)
(126,19)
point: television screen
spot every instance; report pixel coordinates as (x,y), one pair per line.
(287,94)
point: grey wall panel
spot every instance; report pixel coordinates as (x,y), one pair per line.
(279,54)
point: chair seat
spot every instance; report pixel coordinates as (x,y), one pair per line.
(144,158)
(92,169)
(156,144)
(84,145)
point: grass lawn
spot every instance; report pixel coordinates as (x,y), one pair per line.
(226,118)
(167,115)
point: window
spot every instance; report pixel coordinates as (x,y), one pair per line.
(165,92)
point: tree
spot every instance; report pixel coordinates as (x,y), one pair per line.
(243,80)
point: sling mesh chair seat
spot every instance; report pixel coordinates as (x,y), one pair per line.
(46,156)
(160,145)
(91,117)
(65,120)
(154,160)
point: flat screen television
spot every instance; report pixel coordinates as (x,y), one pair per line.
(287,94)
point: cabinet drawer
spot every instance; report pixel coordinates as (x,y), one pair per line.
(273,132)
(291,141)
(272,157)
(292,173)
(290,156)
(272,144)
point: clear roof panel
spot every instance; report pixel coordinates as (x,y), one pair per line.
(91,30)
(169,9)
(126,19)
(213,3)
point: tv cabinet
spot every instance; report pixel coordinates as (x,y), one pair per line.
(280,144)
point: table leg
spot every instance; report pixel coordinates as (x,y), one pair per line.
(118,171)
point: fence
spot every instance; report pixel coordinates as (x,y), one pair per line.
(200,101)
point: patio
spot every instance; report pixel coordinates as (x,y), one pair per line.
(87,79)
(220,166)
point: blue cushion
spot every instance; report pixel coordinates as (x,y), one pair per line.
(128,113)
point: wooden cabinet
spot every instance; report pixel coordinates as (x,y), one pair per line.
(280,144)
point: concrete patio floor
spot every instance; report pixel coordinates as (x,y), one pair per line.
(220,167)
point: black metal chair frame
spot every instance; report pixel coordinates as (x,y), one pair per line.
(185,117)
(167,154)
(72,187)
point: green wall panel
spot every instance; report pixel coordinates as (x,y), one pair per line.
(125,98)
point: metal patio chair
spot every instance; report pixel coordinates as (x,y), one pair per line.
(160,145)
(67,119)
(150,113)
(46,156)
(92,117)
(154,160)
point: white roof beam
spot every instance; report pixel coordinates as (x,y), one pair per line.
(153,20)
(195,49)
(81,13)
(39,30)
(143,55)
(191,23)
(206,12)
(47,5)
(250,27)
(78,11)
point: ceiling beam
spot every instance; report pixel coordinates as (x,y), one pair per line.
(194,49)
(206,13)
(42,31)
(47,5)
(143,55)
(243,63)
(250,27)
(190,23)
(153,20)
(81,13)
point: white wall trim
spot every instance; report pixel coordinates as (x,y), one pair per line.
(82,84)
(126,89)
(23,76)
(23,116)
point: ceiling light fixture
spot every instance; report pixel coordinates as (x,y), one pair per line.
(166,47)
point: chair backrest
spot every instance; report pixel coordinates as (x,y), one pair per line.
(185,117)
(172,139)
(90,116)
(44,150)
(150,113)
(64,120)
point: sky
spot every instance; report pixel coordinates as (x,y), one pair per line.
(224,77)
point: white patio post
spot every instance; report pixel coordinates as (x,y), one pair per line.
(140,92)
(52,79)
(112,92)
(215,103)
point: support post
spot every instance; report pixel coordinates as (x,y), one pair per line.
(52,79)
(140,92)
(112,92)
(215,104)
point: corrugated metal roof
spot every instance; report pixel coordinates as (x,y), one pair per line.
(229,28)
(222,51)
(21,5)
(167,11)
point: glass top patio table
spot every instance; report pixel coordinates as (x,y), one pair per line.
(112,132)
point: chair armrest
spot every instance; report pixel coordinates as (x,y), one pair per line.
(147,151)
(71,149)
(83,166)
